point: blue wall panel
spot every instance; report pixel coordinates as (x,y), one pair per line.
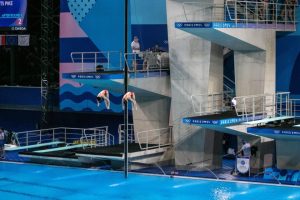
(151,34)
(20,96)
(102,23)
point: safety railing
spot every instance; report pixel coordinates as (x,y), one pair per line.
(295,106)
(263,105)
(63,134)
(283,104)
(203,11)
(98,61)
(204,104)
(60,134)
(252,13)
(156,138)
(146,62)
(228,82)
(97,137)
(121,133)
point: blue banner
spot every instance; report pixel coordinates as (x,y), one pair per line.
(13,14)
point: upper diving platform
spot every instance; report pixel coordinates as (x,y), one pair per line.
(234,23)
(148,71)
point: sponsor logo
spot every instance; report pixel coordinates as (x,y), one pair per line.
(178,25)
(187,120)
(277,132)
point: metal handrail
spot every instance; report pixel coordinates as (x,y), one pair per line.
(208,103)
(276,15)
(121,133)
(295,107)
(148,61)
(228,79)
(104,58)
(63,134)
(265,105)
(154,138)
(97,137)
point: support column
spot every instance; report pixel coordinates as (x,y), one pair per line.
(196,68)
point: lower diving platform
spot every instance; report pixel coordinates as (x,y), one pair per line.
(79,155)
(280,131)
(93,146)
(116,152)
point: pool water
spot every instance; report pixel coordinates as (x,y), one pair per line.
(25,181)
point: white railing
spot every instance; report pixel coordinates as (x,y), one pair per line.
(156,138)
(121,133)
(204,104)
(263,105)
(97,61)
(295,106)
(97,137)
(206,12)
(256,13)
(146,62)
(61,134)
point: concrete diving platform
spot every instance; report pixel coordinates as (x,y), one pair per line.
(226,122)
(140,82)
(227,118)
(78,155)
(116,152)
(277,132)
(268,120)
(36,146)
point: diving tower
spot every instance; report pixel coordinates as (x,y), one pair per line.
(198,33)
(149,79)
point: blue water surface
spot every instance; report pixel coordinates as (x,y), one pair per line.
(25,181)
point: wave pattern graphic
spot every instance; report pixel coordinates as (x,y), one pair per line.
(84,99)
(82,89)
(88,105)
(87,96)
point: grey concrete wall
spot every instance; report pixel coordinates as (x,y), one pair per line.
(196,68)
(288,156)
(152,113)
(255,71)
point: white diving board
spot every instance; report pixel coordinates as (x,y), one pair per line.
(298,126)
(267,120)
(62,148)
(34,146)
